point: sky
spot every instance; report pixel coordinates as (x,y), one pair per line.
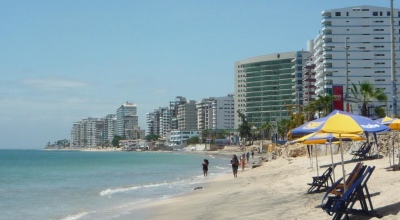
(62,61)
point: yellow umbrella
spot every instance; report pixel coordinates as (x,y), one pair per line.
(322,138)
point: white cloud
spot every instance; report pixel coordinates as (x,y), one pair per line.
(52,83)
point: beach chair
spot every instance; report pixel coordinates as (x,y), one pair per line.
(362,194)
(363,154)
(338,205)
(321,181)
(338,190)
(360,150)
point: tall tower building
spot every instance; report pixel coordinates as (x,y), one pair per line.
(127,109)
(187,116)
(109,127)
(367,29)
(265,84)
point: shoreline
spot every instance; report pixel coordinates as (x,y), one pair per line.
(275,190)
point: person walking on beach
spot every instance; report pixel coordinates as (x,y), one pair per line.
(205,167)
(252,154)
(243,161)
(248,156)
(235,165)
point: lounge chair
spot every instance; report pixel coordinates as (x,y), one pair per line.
(338,189)
(361,149)
(321,181)
(364,153)
(338,205)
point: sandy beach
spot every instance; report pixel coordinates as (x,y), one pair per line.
(277,190)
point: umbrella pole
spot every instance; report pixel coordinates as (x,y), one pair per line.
(333,168)
(316,159)
(341,154)
(393,148)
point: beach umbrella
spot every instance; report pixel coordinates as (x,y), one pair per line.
(341,122)
(322,138)
(394,124)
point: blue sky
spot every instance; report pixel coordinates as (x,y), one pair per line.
(61,61)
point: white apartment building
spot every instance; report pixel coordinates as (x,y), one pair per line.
(367,29)
(87,133)
(109,127)
(127,109)
(179,137)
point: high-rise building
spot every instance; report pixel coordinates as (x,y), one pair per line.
(75,135)
(173,111)
(187,116)
(127,109)
(265,84)
(109,127)
(367,30)
(87,133)
(216,113)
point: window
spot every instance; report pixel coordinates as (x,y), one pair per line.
(299,75)
(388,13)
(379,63)
(338,14)
(375,13)
(379,46)
(347,13)
(378,21)
(378,29)
(299,68)
(379,38)
(380,80)
(380,71)
(379,55)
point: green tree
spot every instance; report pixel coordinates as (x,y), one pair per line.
(325,103)
(265,130)
(245,127)
(380,112)
(152,137)
(365,94)
(283,128)
(116,139)
(193,140)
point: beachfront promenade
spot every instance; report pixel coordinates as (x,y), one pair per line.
(276,191)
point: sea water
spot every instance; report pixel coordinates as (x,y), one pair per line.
(68,185)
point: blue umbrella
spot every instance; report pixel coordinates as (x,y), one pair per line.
(342,123)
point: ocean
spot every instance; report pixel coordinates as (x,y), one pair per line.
(69,185)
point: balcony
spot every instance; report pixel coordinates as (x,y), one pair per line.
(309,80)
(327,30)
(309,86)
(326,21)
(326,38)
(326,14)
(309,67)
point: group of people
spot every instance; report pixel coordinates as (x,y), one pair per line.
(234,162)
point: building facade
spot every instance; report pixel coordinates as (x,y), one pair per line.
(367,30)
(127,109)
(264,85)
(187,116)
(109,127)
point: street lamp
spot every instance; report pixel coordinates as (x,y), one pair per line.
(393,70)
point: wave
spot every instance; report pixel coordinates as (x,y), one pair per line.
(76,216)
(128,188)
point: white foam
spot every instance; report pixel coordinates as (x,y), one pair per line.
(128,188)
(76,216)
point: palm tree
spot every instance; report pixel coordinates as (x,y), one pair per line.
(367,93)
(283,127)
(325,102)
